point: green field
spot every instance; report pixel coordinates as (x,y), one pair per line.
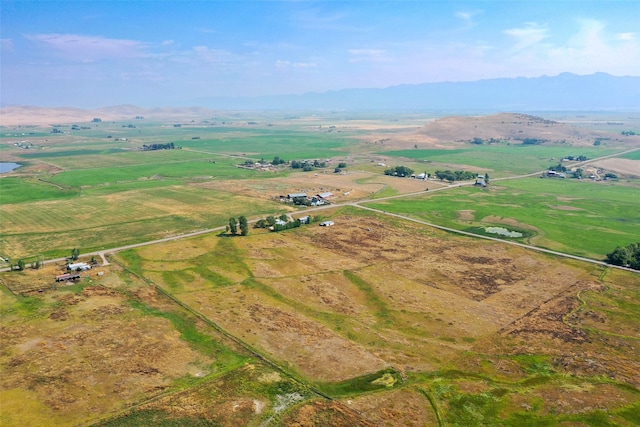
(580,218)
(500,159)
(632,156)
(101,218)
(107,192)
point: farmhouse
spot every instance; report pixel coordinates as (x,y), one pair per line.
(79,266)
(304,219)
(296,195)
(324,196)
(554,174)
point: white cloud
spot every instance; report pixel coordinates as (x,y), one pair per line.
(205,30)
(626,36)
(6,45)
(467,17)
(147,76)
(89,48)
(589,49)
(207,56)
(290,64)
(368,55)
(529,35)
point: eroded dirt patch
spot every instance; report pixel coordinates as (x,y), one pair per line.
(323,413)
(404,407)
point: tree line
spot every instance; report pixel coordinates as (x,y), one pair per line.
(452,176)
(152,147)
(400,171)
(448,175)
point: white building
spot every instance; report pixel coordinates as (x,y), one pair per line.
(79,266)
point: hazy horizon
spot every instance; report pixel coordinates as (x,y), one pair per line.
(150,53)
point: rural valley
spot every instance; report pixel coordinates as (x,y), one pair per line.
(464,273)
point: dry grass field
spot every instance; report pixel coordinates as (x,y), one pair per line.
(326,304)
(336,302)
(73,355)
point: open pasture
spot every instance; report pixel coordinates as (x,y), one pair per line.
(17,190)
(439,326)
(635,155)
(578,217)
(451,313)
(499,159)
(316,278)
(185,170)
(288,145)
(103,221)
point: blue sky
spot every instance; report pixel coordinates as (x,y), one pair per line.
(163,53)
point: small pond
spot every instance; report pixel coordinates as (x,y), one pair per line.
(8,167)
(502,231)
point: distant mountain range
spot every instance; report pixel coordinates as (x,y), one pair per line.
(566,91)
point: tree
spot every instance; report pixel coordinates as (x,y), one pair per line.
(578,173)
(486,178)
(20,265)
(75,253)
(35,264)
(628,256)
(233,227)
(244,225)
(558,168)
(401,171)
(284,217)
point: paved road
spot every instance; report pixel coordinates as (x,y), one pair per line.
(358,204)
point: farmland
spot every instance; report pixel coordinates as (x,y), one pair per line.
(550,213)
(377,320)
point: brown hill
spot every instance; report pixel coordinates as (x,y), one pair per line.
(504,126)
(32,115)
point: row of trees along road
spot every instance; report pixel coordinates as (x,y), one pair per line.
(448,175)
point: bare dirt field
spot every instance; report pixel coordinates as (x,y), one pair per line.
(31,115)
(625,167)
(345,187)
